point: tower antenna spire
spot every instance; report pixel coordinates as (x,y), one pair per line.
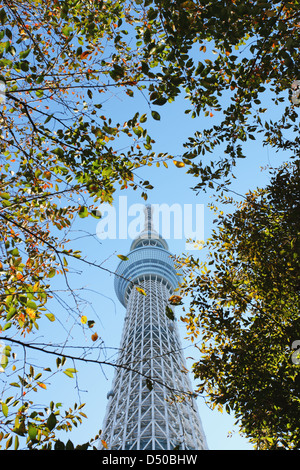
(148,218)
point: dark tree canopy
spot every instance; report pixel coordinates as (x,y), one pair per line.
(245,301)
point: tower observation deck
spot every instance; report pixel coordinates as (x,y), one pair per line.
(143,412)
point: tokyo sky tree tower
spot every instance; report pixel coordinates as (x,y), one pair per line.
(141,412)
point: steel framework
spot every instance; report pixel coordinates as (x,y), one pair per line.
(151,406)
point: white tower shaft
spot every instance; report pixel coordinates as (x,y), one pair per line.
(144,411)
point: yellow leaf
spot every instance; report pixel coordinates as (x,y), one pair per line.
(36,286)
(83,319)
(178,164)
(30,312)
(141,291)
(50,316)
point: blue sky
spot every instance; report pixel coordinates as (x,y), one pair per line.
(171,186)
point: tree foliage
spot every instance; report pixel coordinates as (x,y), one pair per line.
(233,60)
(245,300)
(57,60)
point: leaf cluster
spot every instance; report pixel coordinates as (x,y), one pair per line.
(232,61)
(245,301)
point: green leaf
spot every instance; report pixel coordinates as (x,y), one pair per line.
(83,212)
(83,446)
(170,313)
(39,93)
(59,445)
(11,313)
(51,421)
(155,115)
(4,361)
(6,326)
(67,30)
(69,372)
(160,102)
(69,445)
(8,33)
(4,409)
(48,118)
(16,443)
(24,54)
(6,351)
(9,443)
(32,432)
(52,272)
(31,304)
(24,66)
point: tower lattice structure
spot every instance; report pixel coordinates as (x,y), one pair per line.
(150,406)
